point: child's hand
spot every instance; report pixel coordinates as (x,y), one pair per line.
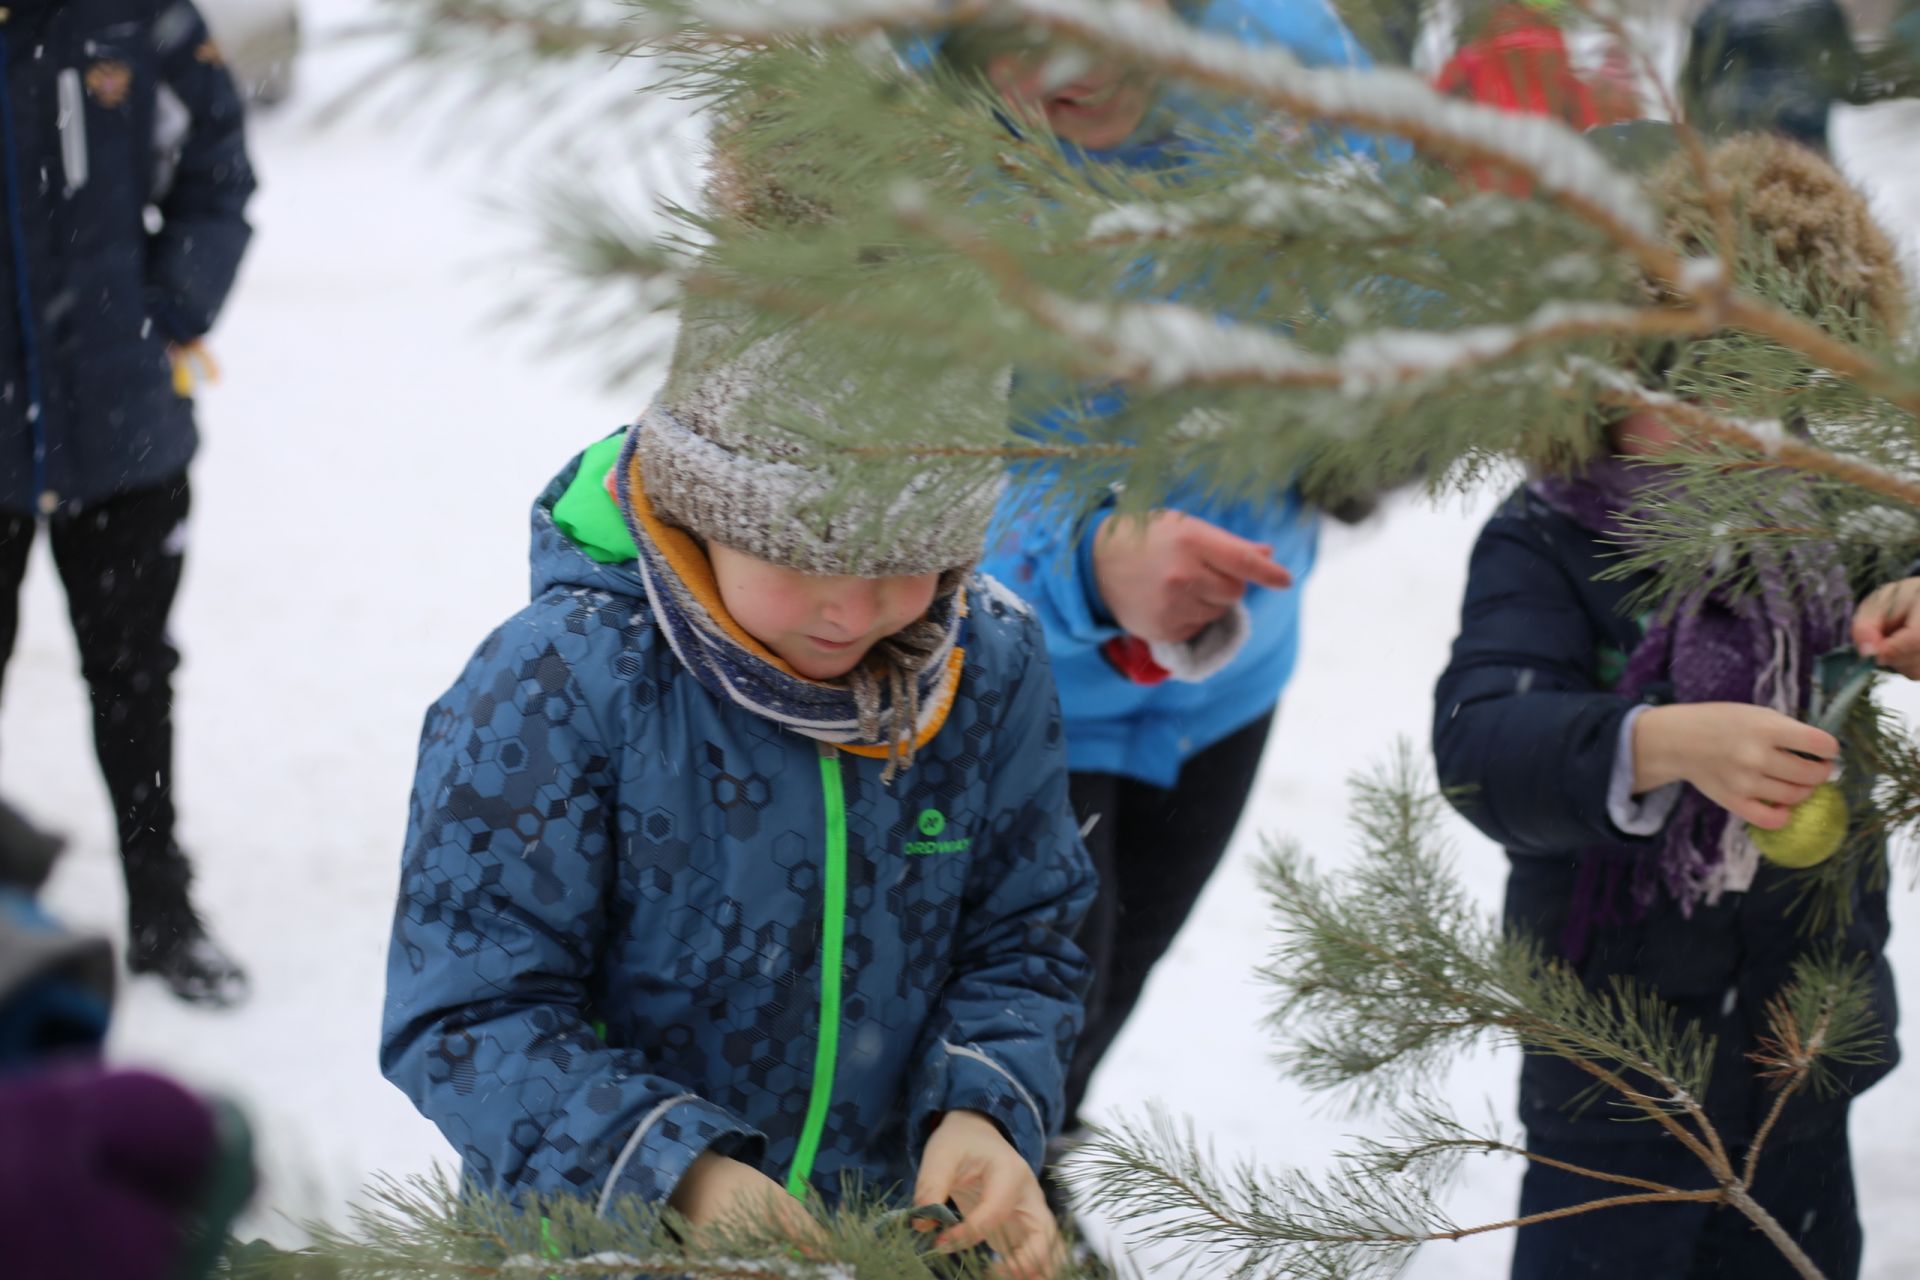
(1886,627)
(1165,579)
(717,1190)
(1741,757)
(968,1162)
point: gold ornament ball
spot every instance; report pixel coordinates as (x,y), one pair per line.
(1814,832)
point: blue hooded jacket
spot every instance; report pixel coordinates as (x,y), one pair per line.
(94,93)
(1115,725)
(636,924)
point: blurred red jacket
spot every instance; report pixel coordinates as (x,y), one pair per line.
(1520,63)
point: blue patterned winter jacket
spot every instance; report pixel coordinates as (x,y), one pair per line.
(618,893)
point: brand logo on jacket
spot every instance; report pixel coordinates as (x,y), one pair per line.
(933,824)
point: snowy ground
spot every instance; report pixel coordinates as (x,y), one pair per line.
(360,524)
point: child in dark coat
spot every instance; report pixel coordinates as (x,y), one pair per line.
(96,424)
(1619,758)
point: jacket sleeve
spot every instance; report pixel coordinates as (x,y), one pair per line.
(1524,737)
(193,258)
(1005,1027)
(1040,546)
(1045,554)
(510,855)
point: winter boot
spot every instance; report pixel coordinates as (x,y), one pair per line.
(166,937)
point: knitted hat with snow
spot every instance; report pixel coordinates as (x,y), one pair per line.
(738,449)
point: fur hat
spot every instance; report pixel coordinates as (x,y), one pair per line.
(1794,208)
(722,458)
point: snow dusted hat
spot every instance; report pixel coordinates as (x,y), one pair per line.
(738,450)
(1796,210)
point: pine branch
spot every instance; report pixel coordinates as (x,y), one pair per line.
(1370,956)
(1536,149)
(1768,438)
(1739,1198)
(1168,344)
(1598,1175)
(430,1228)
(1706,1146)
(1590,1206)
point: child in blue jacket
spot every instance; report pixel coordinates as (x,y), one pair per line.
(1620,757)
(740,864)
(1171,639)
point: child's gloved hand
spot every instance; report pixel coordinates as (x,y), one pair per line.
(1751,761)
(968,1162)
(1167,578)
(1886,627)
(717,1190)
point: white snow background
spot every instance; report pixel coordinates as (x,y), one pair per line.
(360,524)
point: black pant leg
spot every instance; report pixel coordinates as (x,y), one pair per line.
(16,540)
(1166,844)
(1637,1242)
(1807,1186)
(121,563)
(1096,807)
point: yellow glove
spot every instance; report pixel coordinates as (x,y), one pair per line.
(187,357)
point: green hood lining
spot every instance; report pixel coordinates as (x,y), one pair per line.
(587,513)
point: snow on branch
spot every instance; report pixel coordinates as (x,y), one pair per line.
(1539,149)
(1166,344)
(1542,149)
(1767,437)
(1384,101)
(1253,204)
(1169,344)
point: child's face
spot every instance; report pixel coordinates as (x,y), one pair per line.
(1642,435)
(822,626)
(1100,107)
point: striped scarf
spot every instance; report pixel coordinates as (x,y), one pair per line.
(888,707)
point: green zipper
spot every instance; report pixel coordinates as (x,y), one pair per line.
(833,941)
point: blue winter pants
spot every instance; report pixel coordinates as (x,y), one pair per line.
(1807,1185)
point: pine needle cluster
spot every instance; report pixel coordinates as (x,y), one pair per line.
(1384,972)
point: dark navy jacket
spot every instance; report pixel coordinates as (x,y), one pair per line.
(1525,728)
(126,180)
(1769,64)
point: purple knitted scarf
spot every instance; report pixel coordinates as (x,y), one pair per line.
(1709,645)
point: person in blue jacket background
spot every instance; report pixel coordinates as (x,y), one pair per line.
(1173,638)
(1618,751)
(740,862)
(124,164)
